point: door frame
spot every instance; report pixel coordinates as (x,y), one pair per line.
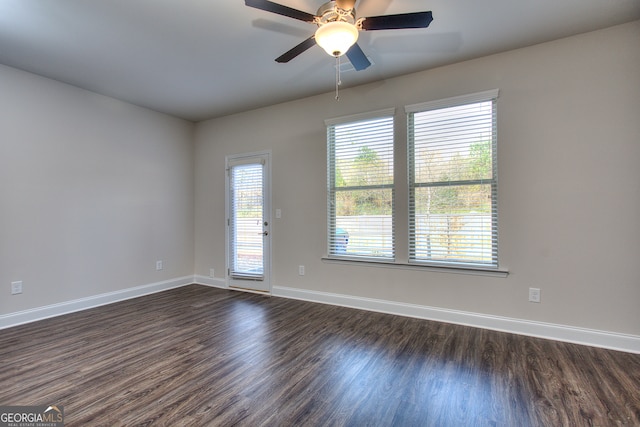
(248,158)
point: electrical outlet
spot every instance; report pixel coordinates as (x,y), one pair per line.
(16,287)
(534,294)
(159,265)
(301,270)
(212,272)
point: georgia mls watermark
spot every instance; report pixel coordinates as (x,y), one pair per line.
(32,416)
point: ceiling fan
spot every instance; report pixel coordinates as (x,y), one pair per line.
(338,27)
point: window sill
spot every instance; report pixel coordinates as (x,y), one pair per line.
(471,270)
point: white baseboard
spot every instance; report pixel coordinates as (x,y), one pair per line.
(595,338)
(40,313)
(210,281)
(222,284)
(610,340)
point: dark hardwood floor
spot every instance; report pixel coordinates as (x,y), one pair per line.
(199,356)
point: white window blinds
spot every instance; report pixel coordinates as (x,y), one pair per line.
(245,220)
(361,187)
(452,151)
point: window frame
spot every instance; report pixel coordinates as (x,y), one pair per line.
(401,214)
(410,110)
(331,185)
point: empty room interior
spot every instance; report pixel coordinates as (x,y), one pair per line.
(193,233)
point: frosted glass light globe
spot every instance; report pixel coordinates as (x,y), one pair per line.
(336,37)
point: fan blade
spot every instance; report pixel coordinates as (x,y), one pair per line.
(280,9)
(395,22)
(346,4)
(358,58)
(288,56)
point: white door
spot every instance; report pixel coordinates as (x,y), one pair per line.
(248,222)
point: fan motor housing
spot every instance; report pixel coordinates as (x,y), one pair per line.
(329,12)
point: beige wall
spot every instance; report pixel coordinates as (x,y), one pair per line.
(93,191)
(569,184)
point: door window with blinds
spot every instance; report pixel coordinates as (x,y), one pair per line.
(246,222)
(360,186)
(452,152)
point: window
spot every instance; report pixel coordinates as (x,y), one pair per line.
(246,208)
(453,218)
(361,186)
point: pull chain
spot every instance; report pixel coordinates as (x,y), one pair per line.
(338,81)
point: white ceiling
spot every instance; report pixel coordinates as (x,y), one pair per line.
(199,59)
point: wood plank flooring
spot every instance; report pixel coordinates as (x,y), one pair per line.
(199,356)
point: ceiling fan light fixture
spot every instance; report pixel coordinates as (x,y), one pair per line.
(336,37)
